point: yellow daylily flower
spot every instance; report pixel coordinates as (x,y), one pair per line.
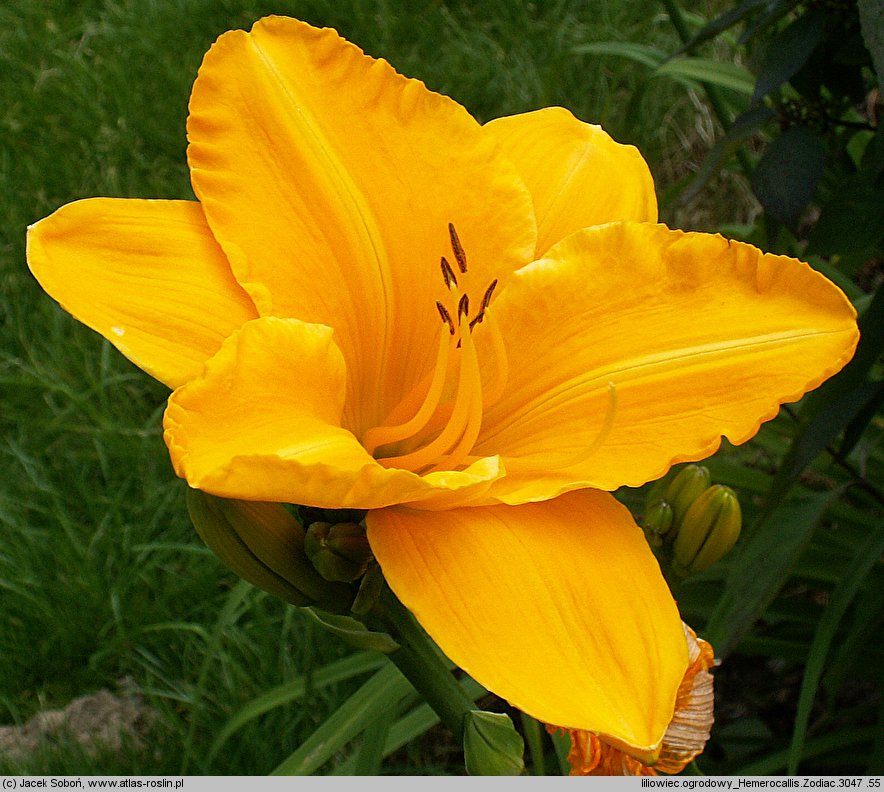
(473,332)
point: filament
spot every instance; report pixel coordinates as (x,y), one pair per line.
(461,422)
(383,435)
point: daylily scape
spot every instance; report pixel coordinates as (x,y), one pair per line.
(473,332)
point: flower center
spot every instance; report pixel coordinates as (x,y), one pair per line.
(436,424)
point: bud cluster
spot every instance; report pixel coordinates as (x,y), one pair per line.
(694,521)
(321,558)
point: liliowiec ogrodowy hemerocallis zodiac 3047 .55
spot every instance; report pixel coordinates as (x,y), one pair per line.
(473,332)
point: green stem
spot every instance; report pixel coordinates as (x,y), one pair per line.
(534,738)
(712,92)
(421,662)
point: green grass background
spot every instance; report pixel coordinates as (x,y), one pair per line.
(101,574)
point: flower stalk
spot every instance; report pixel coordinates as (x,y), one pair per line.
(421,662)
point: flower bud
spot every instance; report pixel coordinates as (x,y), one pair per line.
(708,531)
(491,745)
(264,544)
(685,488)
(339,551)
(657,521)
(369,591)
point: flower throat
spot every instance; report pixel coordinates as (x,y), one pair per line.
(435,426)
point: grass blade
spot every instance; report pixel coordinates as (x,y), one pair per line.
(382,692)
(866,557)
(700,71)
(762,565)
(356,664)
(641,53)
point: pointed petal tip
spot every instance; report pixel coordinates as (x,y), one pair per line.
(529,601)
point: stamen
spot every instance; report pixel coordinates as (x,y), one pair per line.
(446,317)
(494,390)
(456,456)
(384,435)
(463,307)
(460,426)
(459,255)
(486,298)
(486,301)
(448,273)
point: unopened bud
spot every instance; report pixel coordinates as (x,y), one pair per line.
(339,551)
(369,591)
(264,544)
(710,529)
(657,521)
(491,744)
(685,488)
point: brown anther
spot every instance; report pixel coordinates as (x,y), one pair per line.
(486,301)
(446,317)
(463,308)
(447,273)
(459,255)
(486,298)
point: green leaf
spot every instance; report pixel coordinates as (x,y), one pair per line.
(789,51)
(375,698)
(491,745)
(871,20)
(723,22)
(841,403)
(706,71)
(775,10)
(761,565)
(851,220)
(649,56)
(831,743)
(786,177)
(353,632)
(866,557)
(280,696)
(412,725)
(853,652)
(371,754)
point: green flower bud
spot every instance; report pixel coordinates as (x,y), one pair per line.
(264,544)
(657,521)
(491,745)
(710,529)
(369,591)
(349,541)
(685,488)
(338,551)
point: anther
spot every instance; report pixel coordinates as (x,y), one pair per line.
(486,301)
(446,317)
(459,255)
(447,273)
(486,298)
(463,308)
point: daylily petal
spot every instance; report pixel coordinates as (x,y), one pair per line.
(147,275)
(330,181)
(263,423)
(558,607)
(576,173)
(632,347)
